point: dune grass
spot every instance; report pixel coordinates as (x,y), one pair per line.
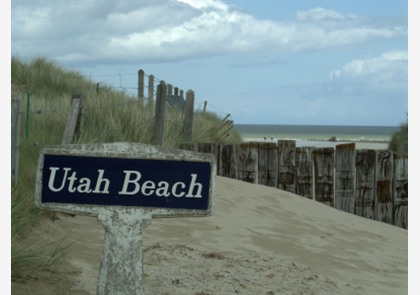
(46,91)
(399,140)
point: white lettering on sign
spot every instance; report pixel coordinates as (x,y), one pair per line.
(132,186)
(69,181)
(82,185)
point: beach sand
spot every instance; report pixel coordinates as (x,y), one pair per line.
(259,240)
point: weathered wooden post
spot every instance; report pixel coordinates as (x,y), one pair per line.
(304,172)
(324,175)
(205,106)
(16,116)
(287,165)
(188,115)
(401,191)
(345,177)
(248,162)
(228,157)
(140,86)
(124,185)
(383,177)
(365,183)
(189,146)
(74,121)
(160,113)
(151,87)
(209,148)
(267,163)
(28,116)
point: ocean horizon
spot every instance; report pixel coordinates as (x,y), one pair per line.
(377,137)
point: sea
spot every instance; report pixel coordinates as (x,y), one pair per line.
(365,137)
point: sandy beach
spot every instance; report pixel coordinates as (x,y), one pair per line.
(259,240)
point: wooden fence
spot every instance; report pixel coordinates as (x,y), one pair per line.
(16,114)
(369,183)
(163,94)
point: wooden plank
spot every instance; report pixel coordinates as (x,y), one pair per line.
(324,175)
(188,115)
(151,87)
(383,206)
(287,165)
(185,146)
(345,177)
(16,117)
(304,172)
(228,160)
(140,86)
(209,148)
(267,164)
(401,191)
(160,113)
(73,126)
(365,183)
(188,146)
(248,162)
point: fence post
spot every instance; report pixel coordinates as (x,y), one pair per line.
(267,164)
(188,115)
(384,175)
(209,148)
(345,177)
(248,162)
(151,87)
(205,106)
(228,157)
(16,116)
(401,191)
(28,116)
(140,86)
(365,187)
(160,113)
(324,175)
(74,121)
(287,165)
(305,172)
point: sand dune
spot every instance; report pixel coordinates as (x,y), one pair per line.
(260,240)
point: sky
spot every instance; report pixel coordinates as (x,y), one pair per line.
(263,62)
(332,62)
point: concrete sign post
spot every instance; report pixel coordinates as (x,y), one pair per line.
(124,185)
(121,270)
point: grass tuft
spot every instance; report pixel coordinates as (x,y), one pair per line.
(46,90)
(399,140)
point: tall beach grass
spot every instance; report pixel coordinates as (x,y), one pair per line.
(46,91)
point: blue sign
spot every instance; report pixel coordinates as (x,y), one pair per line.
(153,183)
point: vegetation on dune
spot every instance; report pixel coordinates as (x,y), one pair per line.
(46,91)
(399,140)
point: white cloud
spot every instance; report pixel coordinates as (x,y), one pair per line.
(384,77)
(388,67)
(206,4)
(174,30)
(319,13)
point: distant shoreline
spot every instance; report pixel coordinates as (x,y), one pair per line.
(365,137)
(320,143)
